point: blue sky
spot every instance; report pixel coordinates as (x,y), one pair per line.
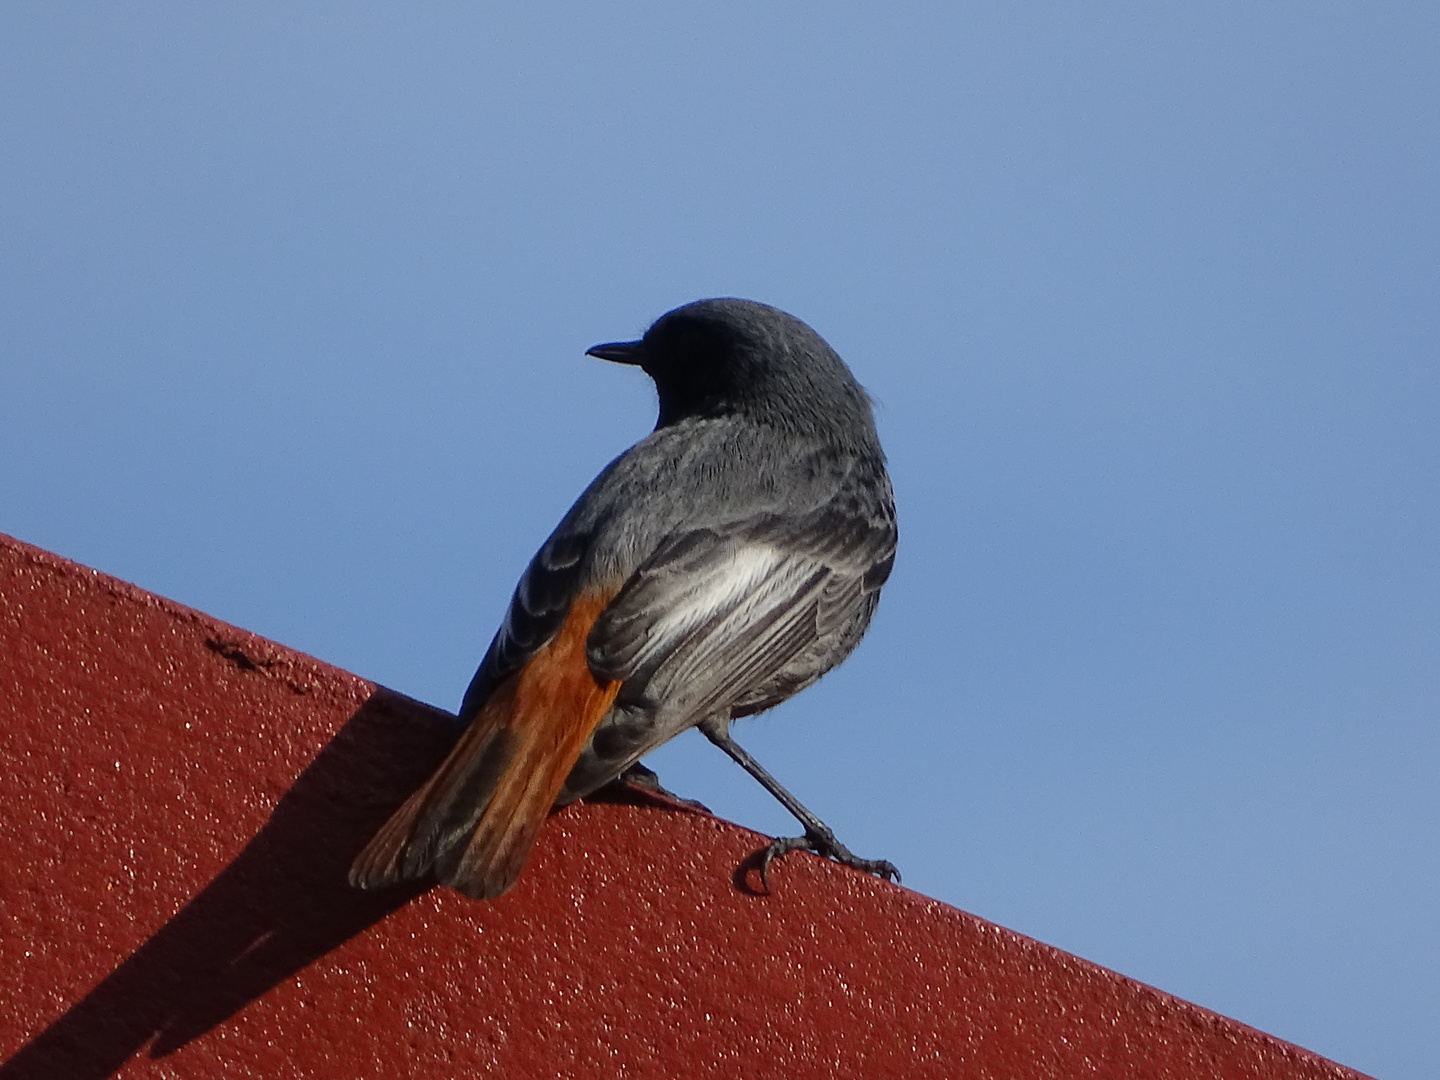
(293,306)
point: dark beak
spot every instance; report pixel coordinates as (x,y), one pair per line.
(618,352)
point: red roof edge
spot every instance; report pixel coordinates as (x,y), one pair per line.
(181,801)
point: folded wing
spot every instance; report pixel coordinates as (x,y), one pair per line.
(723,622)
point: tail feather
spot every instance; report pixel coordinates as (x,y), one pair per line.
(489,864)
(475,820)
(439,814)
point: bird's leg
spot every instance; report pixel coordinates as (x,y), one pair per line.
(818,836)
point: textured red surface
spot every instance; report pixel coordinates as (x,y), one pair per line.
(181,800)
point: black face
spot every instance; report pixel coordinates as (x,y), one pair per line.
(700,359)
(697,360)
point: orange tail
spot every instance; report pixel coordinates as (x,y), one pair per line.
(476,819)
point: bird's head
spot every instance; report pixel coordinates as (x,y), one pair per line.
(726,357)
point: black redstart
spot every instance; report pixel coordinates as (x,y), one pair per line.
(714,569)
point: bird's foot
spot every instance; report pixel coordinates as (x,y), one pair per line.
(640,785)
(825,845)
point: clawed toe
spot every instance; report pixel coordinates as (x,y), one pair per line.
(826,847)
(881,868)
(778,849)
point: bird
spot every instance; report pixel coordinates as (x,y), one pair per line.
(715,569)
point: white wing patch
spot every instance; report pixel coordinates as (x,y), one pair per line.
(731,583)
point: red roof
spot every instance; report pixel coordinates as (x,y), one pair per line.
(181,800)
